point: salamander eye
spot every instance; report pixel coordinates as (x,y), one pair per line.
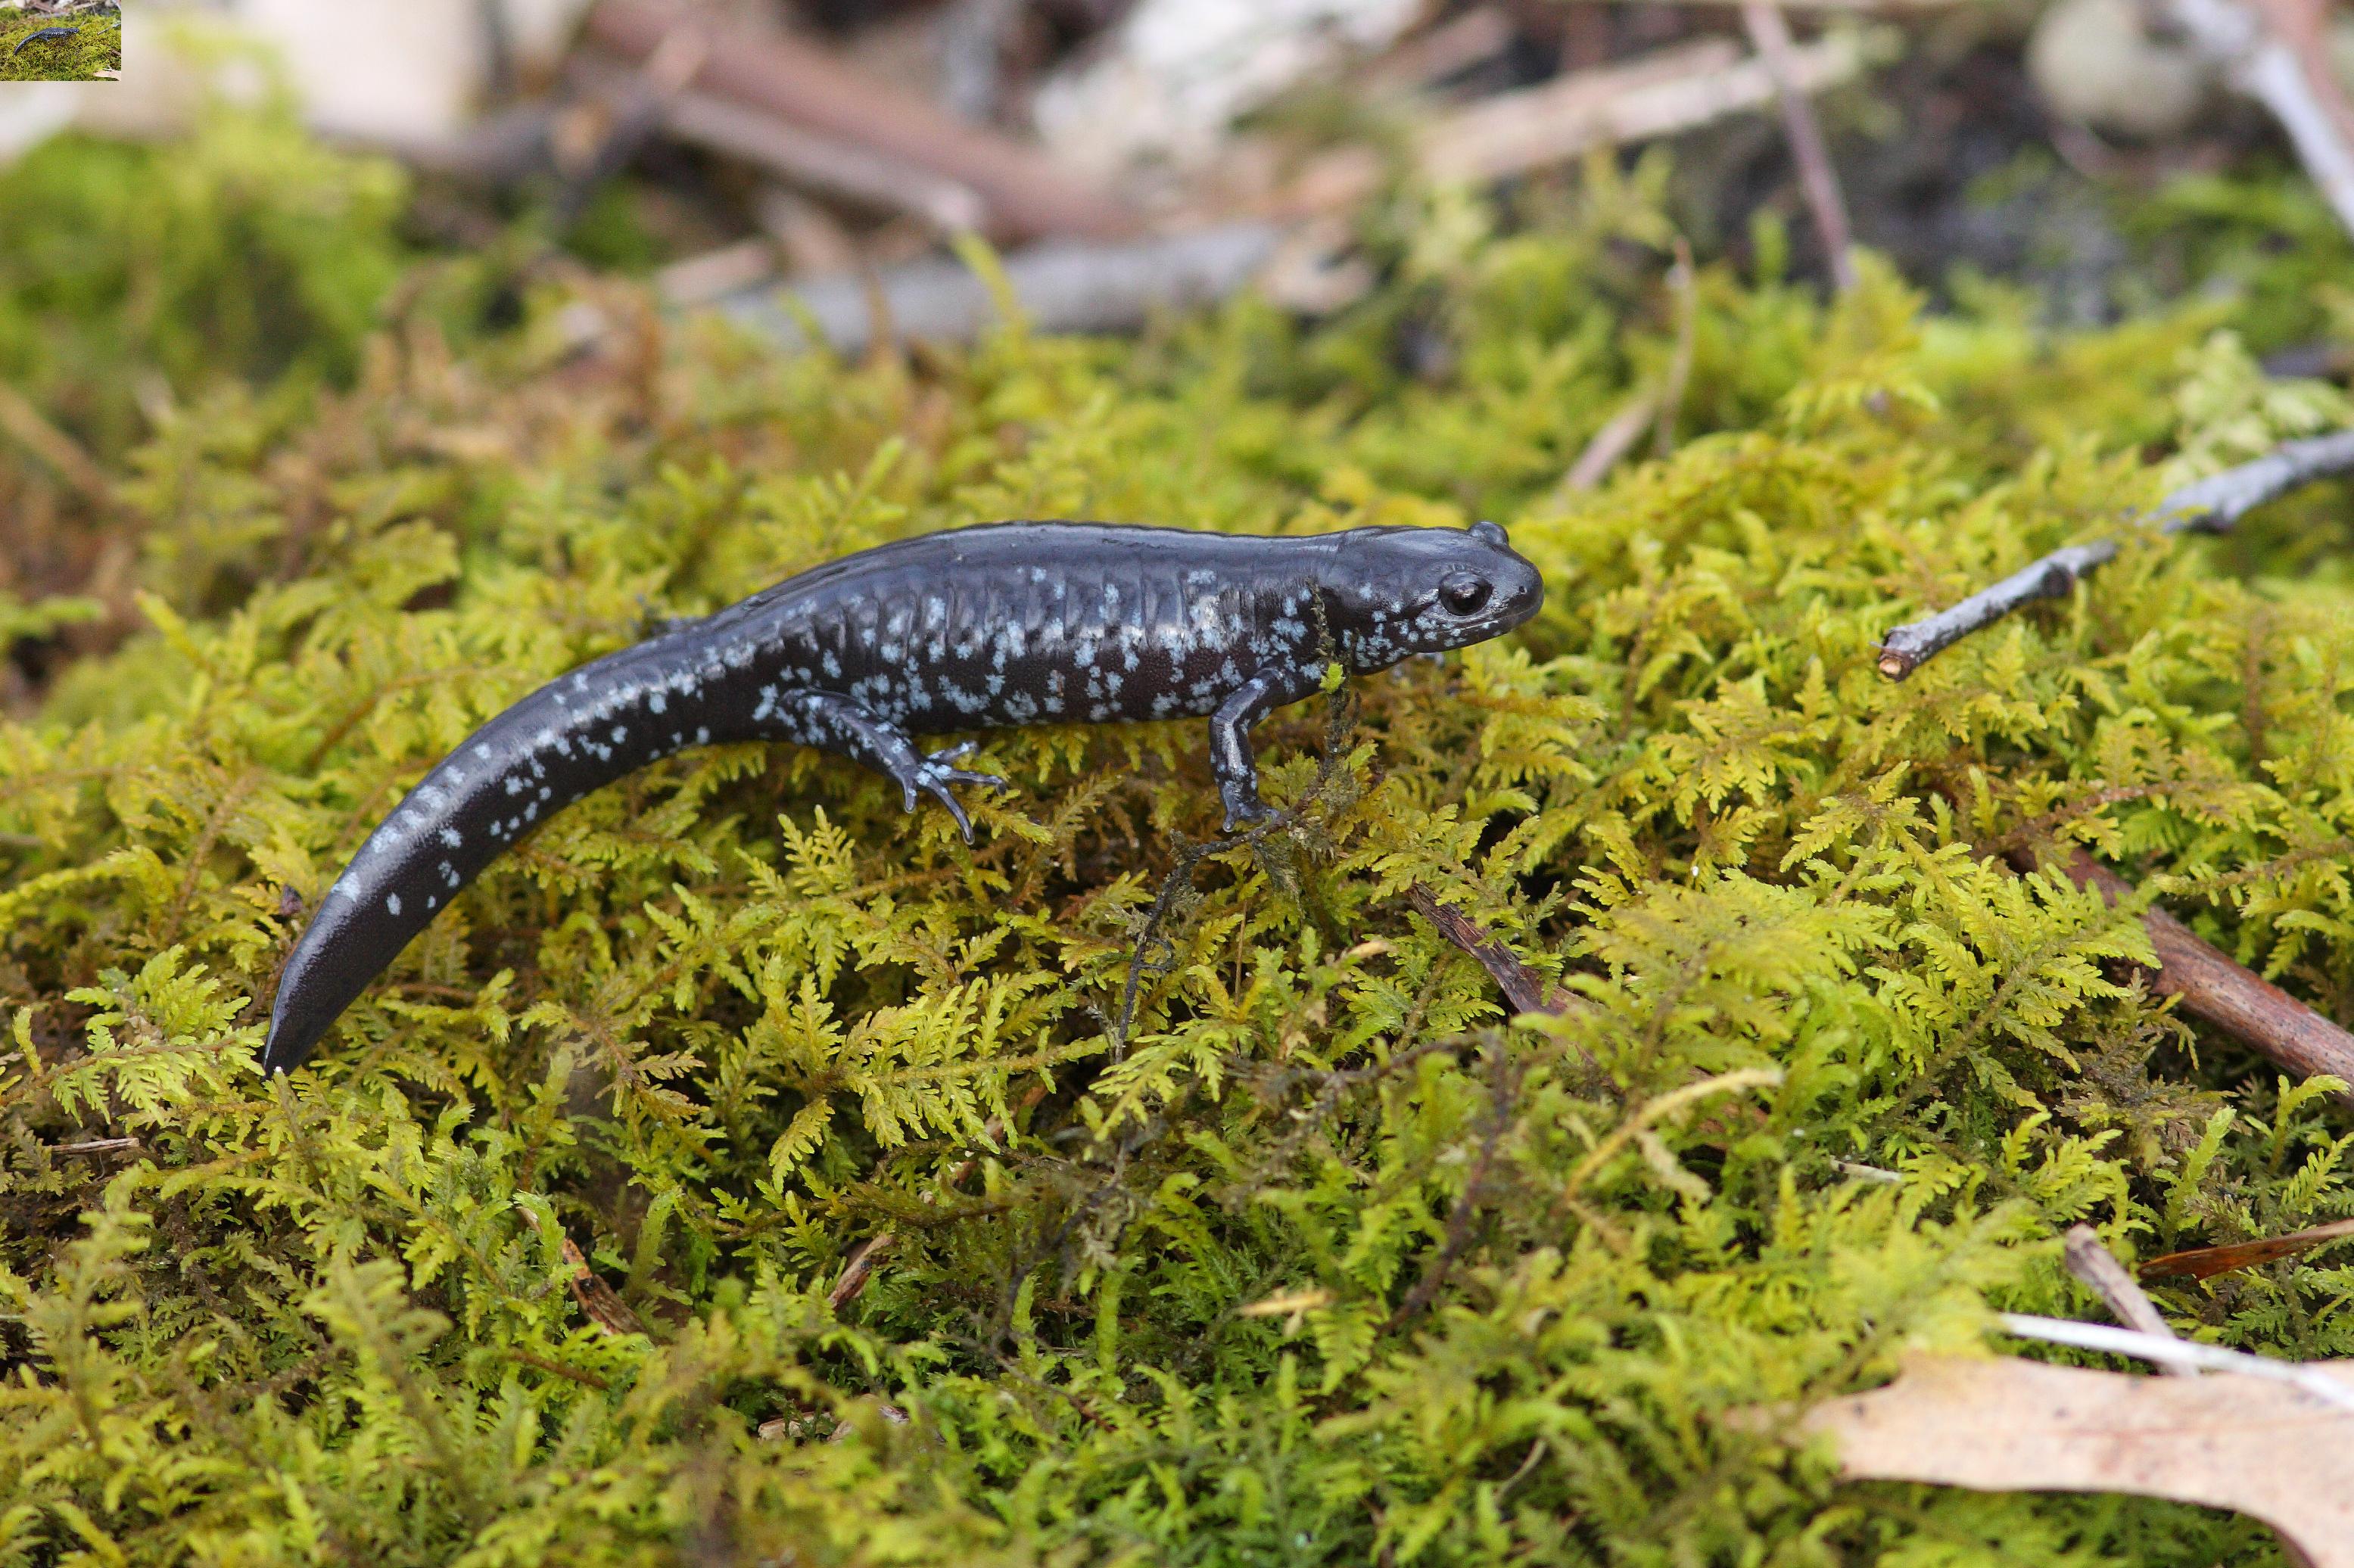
(1463,593)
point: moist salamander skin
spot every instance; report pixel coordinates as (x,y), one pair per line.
(41,35)
(1005,624)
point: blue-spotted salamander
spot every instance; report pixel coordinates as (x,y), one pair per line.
(1010,623)
(41,35)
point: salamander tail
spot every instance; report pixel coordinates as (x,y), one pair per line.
(582,730)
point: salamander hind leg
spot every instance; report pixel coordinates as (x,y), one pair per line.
(849,728)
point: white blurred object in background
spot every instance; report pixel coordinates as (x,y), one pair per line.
(396,71)
(1169,78)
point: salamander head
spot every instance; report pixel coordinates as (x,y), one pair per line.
(1400,591)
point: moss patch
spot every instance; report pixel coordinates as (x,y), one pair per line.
(1329,1261)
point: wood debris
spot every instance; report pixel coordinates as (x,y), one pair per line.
(1026,194)
(2265,49)
(2095,1267)
(1522,986)
(598,1299)
(1063,287)
(2211,505)
(1771,35)
(2223,993)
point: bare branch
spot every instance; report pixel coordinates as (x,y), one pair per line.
(2098,1270)
(1771,35)
(2168,1351)
(1613,440)
(1682,286)
(2228,996)
(1522,986)
(1066,286)
(1026,192)
(2264,65)
(1914,643)
(2211,505)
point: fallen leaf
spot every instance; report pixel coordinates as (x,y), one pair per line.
(2257,1446)
(2205,1262)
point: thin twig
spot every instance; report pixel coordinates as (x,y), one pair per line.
(856,1269)
(1613,440)
(2257,61)
(1027,193)
(1771,35)
(1155,953)
(1504,1083)
(2214,504)
(98,1146)
(637,109)
(25,423)
(1471,38)
(585,1378)
(2167,1350)
(1683,287)
(2227,995)
(2211,506)
(1507,134)
(2098,1270)
(829,165)
(859,1267)
(1522,986)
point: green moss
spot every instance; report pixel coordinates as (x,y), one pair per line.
(246,255)
(1331,1262)
(93,49)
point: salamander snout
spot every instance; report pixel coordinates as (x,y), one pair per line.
(1424,590)
(1492,590)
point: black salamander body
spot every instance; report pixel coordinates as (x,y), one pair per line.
(39,35)
(1011,623)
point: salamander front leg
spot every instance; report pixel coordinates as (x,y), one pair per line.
(1231,760)
(851,729)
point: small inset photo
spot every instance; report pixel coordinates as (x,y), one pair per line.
(61,40)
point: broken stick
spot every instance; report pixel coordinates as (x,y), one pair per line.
(2264,65)
(2211,506)
(2097,1268)
(1069,286)
(1522,986)
(1771,35)
(1508,134)
(1026,195)
(2229,996)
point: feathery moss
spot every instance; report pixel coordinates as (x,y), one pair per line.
(1331,1261)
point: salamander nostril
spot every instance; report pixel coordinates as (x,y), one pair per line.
(1463,594)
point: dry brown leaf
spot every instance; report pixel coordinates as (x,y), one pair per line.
(2225,1440)
(2205,1262)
